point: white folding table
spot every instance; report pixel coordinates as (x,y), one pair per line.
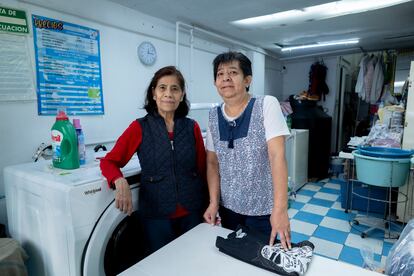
(195,253)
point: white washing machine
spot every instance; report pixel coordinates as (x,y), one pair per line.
(66,220)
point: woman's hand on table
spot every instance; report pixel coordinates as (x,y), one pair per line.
(279,220)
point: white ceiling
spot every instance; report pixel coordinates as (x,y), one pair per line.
(387,28)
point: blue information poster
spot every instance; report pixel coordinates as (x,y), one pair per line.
(68,67)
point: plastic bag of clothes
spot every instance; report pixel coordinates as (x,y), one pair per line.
(381,136)
(400,260)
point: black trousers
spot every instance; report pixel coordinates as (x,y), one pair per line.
(160,231)
(231,220)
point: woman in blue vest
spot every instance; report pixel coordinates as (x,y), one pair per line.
(246,166)
(171,153)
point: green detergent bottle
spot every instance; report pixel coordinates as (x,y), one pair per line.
(64,143)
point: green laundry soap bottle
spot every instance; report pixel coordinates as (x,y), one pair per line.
(64,143)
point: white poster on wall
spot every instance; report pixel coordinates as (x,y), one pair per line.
(68,67)
(16,73)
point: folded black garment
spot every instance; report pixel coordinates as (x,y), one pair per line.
(251,246)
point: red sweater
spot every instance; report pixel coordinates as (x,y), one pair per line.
(128,144)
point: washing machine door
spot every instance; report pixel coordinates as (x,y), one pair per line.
(116,242)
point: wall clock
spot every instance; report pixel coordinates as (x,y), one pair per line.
(147,53)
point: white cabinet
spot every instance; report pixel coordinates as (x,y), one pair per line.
(408,143)
(297,156)
(408,138)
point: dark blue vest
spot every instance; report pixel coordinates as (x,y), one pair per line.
(169,168)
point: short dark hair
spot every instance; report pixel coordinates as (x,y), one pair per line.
(150,104)
(245,63)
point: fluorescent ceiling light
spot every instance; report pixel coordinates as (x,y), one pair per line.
(313,13)
(321,44)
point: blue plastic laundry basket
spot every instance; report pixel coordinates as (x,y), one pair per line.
(379,171)
(385,152)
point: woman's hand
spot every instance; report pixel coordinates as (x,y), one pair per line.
(210,214)
(123,196)
(280,226)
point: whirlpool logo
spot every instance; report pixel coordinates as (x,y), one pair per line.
(92,191)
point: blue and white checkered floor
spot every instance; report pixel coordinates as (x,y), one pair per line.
(316,215)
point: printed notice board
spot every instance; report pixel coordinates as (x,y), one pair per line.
(68,67)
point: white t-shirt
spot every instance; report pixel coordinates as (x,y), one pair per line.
(274,122)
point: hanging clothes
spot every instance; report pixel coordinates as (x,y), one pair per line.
(377,81)
(370,80)
(317,80)
(369,76)
(359,87)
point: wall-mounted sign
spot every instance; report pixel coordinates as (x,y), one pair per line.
(68,67)
(16,70)
(13,21)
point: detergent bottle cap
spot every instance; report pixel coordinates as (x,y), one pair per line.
(61,116)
